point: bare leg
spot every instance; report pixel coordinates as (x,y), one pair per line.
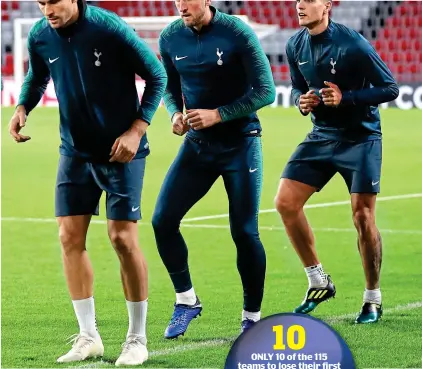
(369,238)
(76,263)
(79,277)
(134,274)
(133,267)
(290,199)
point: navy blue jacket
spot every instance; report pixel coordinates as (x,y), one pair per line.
(220,67)
(342,56)
(93,64)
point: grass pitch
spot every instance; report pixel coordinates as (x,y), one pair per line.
(37,315)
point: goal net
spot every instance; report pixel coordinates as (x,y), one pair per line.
(148,28)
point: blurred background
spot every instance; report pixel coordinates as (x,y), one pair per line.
(393,27)
(36,313)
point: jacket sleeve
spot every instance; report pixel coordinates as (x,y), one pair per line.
(258,72)
(173,99)
(377,73)
(148,67)
(299,85)
(36,80)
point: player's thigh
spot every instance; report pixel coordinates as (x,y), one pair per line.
(292,195)
(123,184)
(360,166)
(242,173)
(76,191)
(311,162)
(189,178)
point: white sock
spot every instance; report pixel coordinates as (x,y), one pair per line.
(251,316)
(316,276)
(372,296)
(137,311)
(85,313)
(186,298)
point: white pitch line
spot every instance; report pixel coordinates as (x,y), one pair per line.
(312,206)
(276,228)
(329,320)
(42,220)
(96,364)
(398,308)
(220,342)
(219,226)
(192,346)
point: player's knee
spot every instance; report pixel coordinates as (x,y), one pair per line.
(157,222)
(245,237)
(364,219)
(286,206)
(71,241)
(121,241)
(163,224)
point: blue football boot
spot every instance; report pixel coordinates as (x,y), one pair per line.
(182,316)
(246,324)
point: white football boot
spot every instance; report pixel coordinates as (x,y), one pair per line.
(134,351)
(84,347)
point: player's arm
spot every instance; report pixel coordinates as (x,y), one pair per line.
(302,98)
(147,66)
(33,88)
(259,75)
(36,80)
(173,100)
(299,86)
(376,71)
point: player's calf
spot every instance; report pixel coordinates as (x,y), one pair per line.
(370,250)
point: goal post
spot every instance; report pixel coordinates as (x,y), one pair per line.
(148,28)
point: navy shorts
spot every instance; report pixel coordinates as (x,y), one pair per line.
(317,159)
(80,184)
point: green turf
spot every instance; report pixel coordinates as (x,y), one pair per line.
(37,315)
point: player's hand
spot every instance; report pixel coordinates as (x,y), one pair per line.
(332,95)
(179,127)
(201,118)
(17,123)
(308,102)
(126,146)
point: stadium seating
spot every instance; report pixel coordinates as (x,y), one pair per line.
(394,28)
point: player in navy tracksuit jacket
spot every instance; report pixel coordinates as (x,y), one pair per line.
(337,77)
(92,56)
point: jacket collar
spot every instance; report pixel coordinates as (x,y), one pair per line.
(216,16)
(74,27)
(325,35)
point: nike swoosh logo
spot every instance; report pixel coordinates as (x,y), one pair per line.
(181,57)
(301,63)
(52,60)
(252,170)
(134,209)
(375,183)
